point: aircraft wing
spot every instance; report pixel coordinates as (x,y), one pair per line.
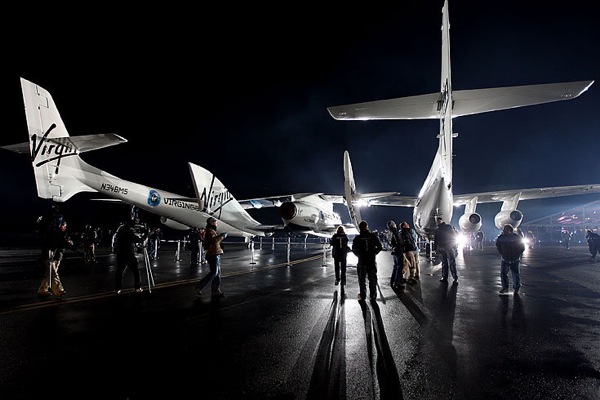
(466,102)
(526,194)
(276,201)
(394,201)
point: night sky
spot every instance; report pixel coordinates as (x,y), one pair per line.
(243,91)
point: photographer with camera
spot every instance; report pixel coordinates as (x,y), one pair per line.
(127,237)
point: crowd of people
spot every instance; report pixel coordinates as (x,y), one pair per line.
(205,245)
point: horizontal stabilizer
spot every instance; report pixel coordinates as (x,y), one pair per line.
(466,102)
(81,143)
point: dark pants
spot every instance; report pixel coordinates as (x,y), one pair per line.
(127,260)
(367,271)
(448,262)
(339,265)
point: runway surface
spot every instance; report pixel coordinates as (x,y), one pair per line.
(283,330)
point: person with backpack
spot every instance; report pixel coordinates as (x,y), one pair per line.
(339,252)
(212,245)
(366,245)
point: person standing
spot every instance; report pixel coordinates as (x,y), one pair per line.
(445,240)
(409,246)
(479,240)
(339,252)
(89,244)
(366,246)
(511,247)
(397,278)
(194,246)
(127,237)
(212,244)
(593,240)
(58,242)
(154,239)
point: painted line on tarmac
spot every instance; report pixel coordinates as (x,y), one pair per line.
(54,302)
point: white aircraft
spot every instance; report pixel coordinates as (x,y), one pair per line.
(301,213)
(60,173)
(436,198)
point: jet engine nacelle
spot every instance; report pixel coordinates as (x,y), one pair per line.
(513,217)
(173,224)
(297,212)
(469,222)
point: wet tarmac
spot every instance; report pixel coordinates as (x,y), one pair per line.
(283,330)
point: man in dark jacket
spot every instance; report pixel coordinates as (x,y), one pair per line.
(128,235)
(593,240)
(366,246)
(511,247)
(339,251)
(445,240)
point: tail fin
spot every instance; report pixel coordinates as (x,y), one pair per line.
(350,191)
(215,199)
(59,171)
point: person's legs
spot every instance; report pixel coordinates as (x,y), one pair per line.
(444,256)
(411,260)
(516,276)
(417,269)
(135,270)
(121,264)
(395,272)
(504,274)
(452,264)
(372,272)
(210,275)
(362,283)
(216,282)
(336,267)
(343,265)
(57,286)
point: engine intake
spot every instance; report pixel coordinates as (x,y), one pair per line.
(470,222)
(288,210)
